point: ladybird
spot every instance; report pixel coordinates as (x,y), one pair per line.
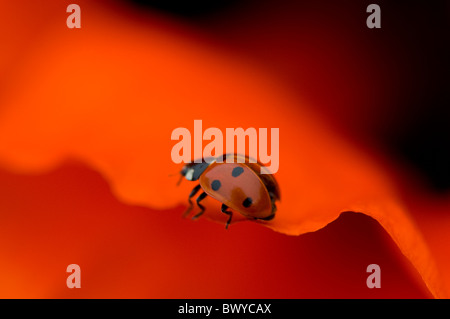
(238,184)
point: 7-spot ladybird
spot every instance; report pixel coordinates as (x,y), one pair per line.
(239,186)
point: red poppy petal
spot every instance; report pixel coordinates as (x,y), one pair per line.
(69,215)
(112,93)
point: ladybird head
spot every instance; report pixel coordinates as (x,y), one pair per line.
(192,171)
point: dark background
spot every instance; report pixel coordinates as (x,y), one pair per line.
(389,86)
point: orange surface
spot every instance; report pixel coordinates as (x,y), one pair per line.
(109,96)
(70,216)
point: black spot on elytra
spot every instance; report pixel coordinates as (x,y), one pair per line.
(237,171)
(247,202)
(215,185)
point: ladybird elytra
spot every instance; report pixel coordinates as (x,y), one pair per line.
(238,185)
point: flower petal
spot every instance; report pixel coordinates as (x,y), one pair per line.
(69,215)
(111,94)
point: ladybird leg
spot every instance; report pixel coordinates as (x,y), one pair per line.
(192,194)
(202,208)
(225,211)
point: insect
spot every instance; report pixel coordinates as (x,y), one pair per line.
(238,186)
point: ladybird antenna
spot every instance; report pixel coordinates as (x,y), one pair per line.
(176,174)
(179,181)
